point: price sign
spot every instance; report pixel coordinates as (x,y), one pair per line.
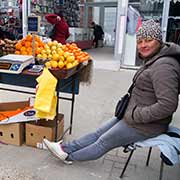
(33,24)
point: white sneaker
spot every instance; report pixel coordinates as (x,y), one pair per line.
(56,149)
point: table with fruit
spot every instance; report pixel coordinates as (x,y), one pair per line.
(53,54)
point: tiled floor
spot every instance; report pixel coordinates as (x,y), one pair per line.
(104,58)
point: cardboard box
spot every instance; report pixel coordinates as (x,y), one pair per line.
(37,131)
(24,116)
(12,133)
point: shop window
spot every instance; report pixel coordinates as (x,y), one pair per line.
(173,29)
(174,9)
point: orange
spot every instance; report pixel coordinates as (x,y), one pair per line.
(29,49)
(37,39)
(17,52)
(23,49)
(18,45)
(27,44)
(38,50)
(36,44)
(29,53)
(41,44)
(29,37)
(23,41)
(24,53)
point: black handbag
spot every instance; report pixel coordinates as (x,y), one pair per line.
(123,103)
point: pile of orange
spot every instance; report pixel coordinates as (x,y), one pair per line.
(78,53)
(25,46)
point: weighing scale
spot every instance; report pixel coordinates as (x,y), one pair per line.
(14,64)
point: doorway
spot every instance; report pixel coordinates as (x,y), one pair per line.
(104,14)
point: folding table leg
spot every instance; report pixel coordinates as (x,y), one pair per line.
(72,105)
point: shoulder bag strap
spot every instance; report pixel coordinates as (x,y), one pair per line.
(134,80)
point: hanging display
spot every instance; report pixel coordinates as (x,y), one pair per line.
(153,1)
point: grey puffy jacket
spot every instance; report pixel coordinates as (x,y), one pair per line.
(154,98)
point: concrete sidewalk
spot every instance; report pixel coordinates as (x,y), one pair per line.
(94,105)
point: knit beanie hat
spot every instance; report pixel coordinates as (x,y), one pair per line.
(149,30)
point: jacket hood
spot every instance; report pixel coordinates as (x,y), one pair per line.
(170,49)
(167,50)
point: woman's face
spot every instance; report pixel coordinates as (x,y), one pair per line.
(147,47)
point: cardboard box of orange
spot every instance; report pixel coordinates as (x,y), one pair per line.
(12,133)
(37,131)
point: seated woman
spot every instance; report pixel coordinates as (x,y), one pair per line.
(153,101)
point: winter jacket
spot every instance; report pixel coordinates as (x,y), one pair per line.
(154,97)
(62,28)
(98,32)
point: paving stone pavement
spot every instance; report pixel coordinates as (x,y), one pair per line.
(93,105)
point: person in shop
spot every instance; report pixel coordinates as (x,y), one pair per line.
(98,34)
(61,32)
(153,101)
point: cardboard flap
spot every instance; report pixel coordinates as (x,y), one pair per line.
(13,105)
(46,123)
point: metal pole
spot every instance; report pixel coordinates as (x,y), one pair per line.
(57,111)
(165,15)
(24,17)
(120,29)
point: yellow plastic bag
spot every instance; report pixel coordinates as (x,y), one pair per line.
(51,115)
(45,100)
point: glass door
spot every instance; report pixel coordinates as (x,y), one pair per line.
(103,14)
(109,25)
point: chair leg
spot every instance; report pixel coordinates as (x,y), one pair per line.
(149,154)
(123,171)
(161,170)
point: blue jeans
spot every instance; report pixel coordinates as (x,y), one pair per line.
(112,134)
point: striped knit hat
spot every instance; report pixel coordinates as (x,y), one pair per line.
(149,30)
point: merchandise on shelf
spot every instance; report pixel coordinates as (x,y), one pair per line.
(10,20)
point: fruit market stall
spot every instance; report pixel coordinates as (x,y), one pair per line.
(67,64)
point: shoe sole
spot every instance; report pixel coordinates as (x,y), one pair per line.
(56,155)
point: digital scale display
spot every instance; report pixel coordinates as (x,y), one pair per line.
(5,65)
(14,63)
(9,66)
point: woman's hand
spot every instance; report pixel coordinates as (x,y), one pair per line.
(58,18)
